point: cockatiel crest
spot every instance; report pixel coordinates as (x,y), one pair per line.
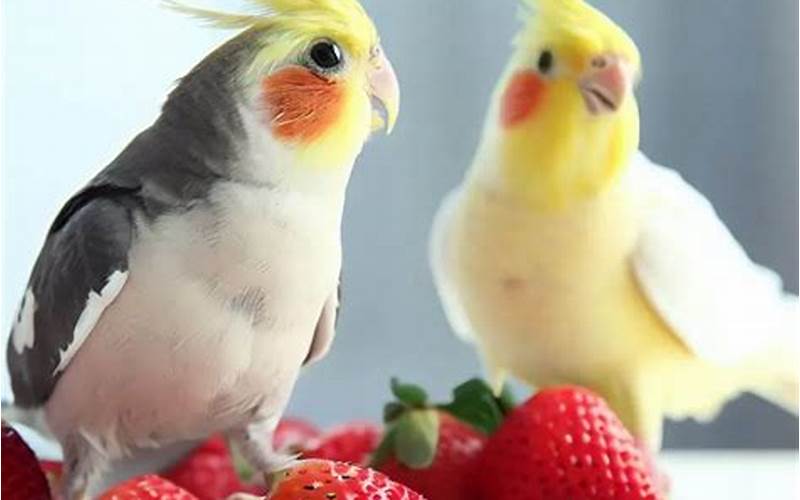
(289,24)
(575,26)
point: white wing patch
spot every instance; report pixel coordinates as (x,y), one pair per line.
(440,255)
(24,328)
(699,278)
(96,304)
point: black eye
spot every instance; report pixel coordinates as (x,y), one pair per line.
(545,63)
(326,55)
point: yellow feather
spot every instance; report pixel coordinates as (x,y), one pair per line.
(575,23)
(217,19)
(290,25)
(562,155)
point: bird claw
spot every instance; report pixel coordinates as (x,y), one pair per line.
(277,464)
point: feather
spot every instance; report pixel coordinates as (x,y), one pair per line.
(288,26)
(724,307)
(573,23)
(440,255)
(215,18)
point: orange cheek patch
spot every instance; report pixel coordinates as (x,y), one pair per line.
(522,98)
(302,105)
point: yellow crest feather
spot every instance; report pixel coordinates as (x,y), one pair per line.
(289,25)
(576,23)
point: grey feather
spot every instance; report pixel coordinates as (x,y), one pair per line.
(169,167)
(89,241)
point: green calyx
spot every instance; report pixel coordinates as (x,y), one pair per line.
(412,423)
(410,395)
(476,404)
(411,438)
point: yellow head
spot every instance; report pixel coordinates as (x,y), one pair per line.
(565,114)
(317,72)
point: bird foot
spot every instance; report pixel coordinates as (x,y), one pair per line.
(277,464)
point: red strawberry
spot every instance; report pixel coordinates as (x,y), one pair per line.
(435,449)
(147,487)
(564,443)
(353,442)
(209,472)
(22,479)
(293,435)
(447,478)
(326,480)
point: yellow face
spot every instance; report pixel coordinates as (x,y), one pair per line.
(326,100)
(322,80)
(325,81)
(566,109)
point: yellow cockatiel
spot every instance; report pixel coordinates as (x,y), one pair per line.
(568,257)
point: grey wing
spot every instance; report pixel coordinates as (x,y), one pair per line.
(80,270)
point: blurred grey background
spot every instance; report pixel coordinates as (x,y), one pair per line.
(719,102)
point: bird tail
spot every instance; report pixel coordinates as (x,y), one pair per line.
(29,417)
(779,383)
(776,371)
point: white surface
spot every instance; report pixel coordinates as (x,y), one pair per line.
(732,475)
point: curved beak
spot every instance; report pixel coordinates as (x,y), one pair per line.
(384,92)
(606,84)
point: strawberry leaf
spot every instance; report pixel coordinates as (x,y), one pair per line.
(385,449)
(506,400)
(392,411)
(411,395)
(416,438)
(475,403)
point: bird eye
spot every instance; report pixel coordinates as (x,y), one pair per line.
(326,55)
(545,63)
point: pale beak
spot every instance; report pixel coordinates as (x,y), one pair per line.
(605,84)
(384,92)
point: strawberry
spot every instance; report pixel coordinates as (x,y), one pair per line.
(147,487)
(22,479)
(293,435)
(564,443)
(447,478)
(353,442)
(435,449)
(327,480)
(209,472)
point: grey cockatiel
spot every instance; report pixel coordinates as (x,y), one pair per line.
(181,291)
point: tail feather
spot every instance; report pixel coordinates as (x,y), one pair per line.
(783,393)
(780,386)
(29,417)
(776,376)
